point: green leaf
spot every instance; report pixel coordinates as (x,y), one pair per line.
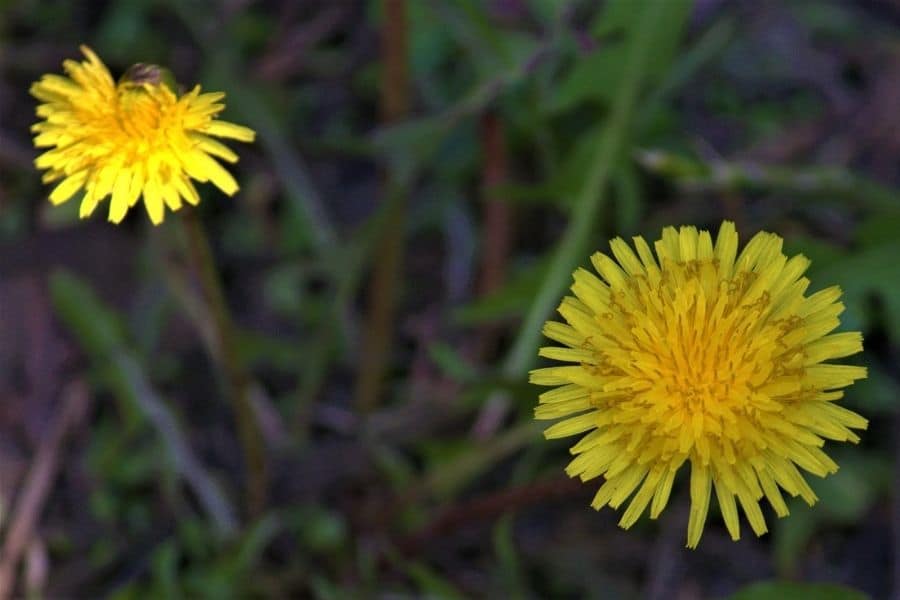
(849,494)
(99,330)
(253,543)
(325,589)
(706,49)
(790,590)
(611,146)
(165,570)
(409,144)
(877,394)
(509,563)
(616,16)
(870,272)
(576,166)
(122,30)
(843,500)
(430,42)
(457,467)
(430,582)
(820,252)
(592,77)
(878,229)
(510,300)
(596,76)
(791,535)
(451,363)
(394,465)
(258,348)
(629,198)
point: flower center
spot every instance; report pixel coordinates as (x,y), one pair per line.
(142,111)
(698,351)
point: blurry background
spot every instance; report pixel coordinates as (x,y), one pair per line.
(418,195)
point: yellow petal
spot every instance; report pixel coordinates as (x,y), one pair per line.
(701,484)
(119,203)
(153,202)
(203,168)
(663,490)
(641,499)
(216,148)
(729,510)
(230,130)
(67,188)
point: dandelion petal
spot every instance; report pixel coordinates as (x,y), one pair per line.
(705,354)
(136,140)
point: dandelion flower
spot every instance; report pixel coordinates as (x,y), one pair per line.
(131,139)
(705,356)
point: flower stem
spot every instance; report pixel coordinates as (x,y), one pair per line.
(609,146)
(227,356)
(389,258)
(496,241)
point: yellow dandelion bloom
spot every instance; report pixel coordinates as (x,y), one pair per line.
(131,139)
(699,355)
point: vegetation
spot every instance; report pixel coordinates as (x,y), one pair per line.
(426,176)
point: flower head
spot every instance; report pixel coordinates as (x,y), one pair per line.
(131,139)
(705,356)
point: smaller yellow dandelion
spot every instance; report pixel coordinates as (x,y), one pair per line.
(132,139)
(700,355)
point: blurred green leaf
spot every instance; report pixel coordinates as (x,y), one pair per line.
(510,300)
(395,466)
(123,29)
(820,252)
(877,394)
(828,20)
(455,467)
(611,146)
(263,349)
(617,16)
(790,590)
(848,494)
(320,530)
(325,589)
(430,583)
(869,272)
(513,583)
(574,168)
(253,543)
(596,76)
(685,65)
(629,198)
(815,184)
(878,229)
(165,570)
(590,78)
(451,363)
(411,143)
(844,498)
(430,42)
(491,49)
(99,331)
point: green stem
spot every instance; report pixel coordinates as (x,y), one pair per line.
(807,182)
(378,336)
(228,357)
(610,147)
(394,106)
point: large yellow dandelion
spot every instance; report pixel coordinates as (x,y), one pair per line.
(704,356)
(131,139)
